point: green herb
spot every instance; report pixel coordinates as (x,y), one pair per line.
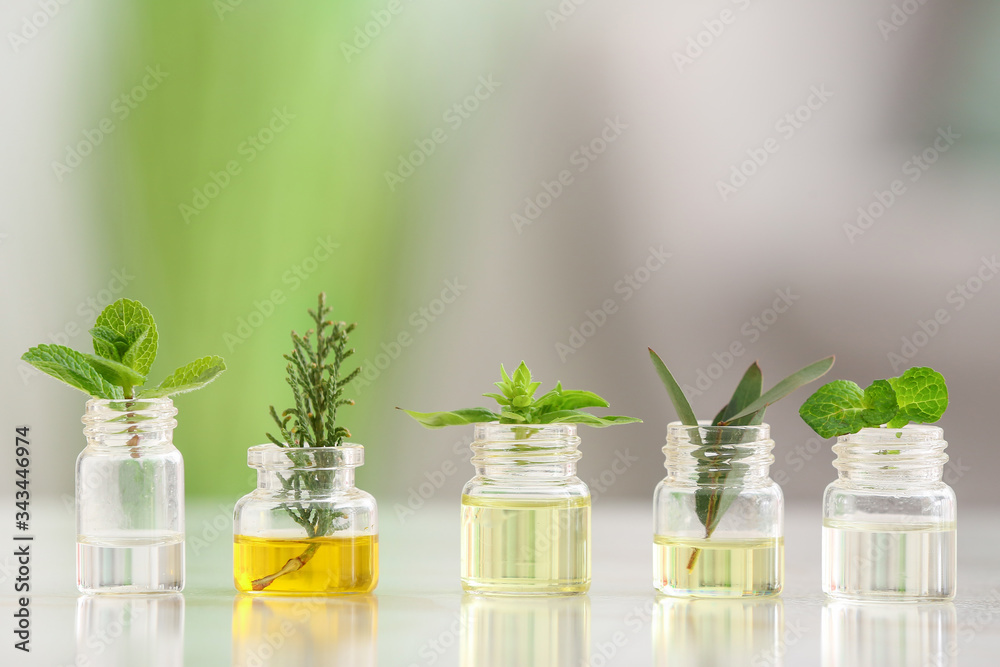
(720,470)
(840,407)
(518,405)
(125,343)
(315,374)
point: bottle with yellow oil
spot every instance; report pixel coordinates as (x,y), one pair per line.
(525,515)
(719,517)
(306,528)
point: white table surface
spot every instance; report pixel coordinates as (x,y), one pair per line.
(419,617)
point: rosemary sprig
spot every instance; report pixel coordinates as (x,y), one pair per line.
(314,372)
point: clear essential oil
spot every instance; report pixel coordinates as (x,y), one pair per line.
(889,561)
(338,565)
(131,564)
(722,568)
(525,545)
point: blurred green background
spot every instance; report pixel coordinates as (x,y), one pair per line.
(246,137)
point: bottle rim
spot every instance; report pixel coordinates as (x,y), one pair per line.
(270,456)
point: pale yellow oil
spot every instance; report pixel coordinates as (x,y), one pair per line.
(346,564)
(524,546)
(722,568)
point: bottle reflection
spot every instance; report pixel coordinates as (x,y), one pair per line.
(130,630)
(884,634)
(723,633)
(524,631)
(273,631)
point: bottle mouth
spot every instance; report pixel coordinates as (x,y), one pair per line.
(270,456)
(706,448)
(706,433)
(495,431)
(887,452)
(909,434)
(109,417)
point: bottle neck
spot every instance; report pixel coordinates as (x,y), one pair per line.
(305,471)
(714,456)
(882,458)
(537,452)
(137,424)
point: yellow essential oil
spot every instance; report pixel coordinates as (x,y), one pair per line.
(722,568)
(524,546)
(334,565)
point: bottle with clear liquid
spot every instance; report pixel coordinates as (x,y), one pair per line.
(130,499)
(889,520)
(718,516)
(306,528)
(525,515)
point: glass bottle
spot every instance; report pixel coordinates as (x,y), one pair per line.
(718,516)
(889,519)
(525,515)
(306,528)
(130,499)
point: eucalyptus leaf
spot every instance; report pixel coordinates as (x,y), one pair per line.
(674,391)
(797,379)
(747,391)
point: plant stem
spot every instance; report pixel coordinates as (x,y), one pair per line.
(293,565)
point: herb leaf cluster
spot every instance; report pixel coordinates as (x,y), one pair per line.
(518,405)
(719,468)
(841,407)
(125,345)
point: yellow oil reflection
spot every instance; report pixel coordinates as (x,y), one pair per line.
(722,633)
(130,630)
(278,631)
(886,634)
(498,631)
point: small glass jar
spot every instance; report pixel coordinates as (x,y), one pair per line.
(306,528)
(718,516)
(889,519)
(130,499)
(525,515)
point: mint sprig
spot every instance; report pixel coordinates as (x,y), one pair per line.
(518,405)
(125,344)
(840,407)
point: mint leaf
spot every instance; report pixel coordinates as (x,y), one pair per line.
(880,403)
(71,367)
(194,375)
(453,418)
(133,325)
(116,373)
(835,409)
(108,344)
(922,396)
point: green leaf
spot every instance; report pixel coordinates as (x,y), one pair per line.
(132,323)
(453,418)
(677,397)
(747,391)
(71,367)
(570,399)
(840,407)
(922,396)
(581,417)
(797,379)
(116,373)
(108,344)
(194,375)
